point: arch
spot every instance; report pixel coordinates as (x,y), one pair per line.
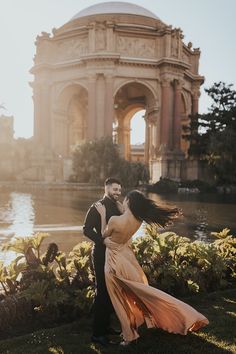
(131,97)
(70,118)
(147,85)
(72,86)
(130,112)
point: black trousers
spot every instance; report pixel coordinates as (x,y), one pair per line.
(102,306)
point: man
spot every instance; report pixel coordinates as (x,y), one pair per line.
(92,229)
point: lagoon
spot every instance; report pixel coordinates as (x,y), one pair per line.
(61,213)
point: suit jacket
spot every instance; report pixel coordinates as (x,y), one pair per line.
(92,224)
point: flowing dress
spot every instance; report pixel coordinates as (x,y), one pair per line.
(136,302)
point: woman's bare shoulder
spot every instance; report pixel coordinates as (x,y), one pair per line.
(114,219)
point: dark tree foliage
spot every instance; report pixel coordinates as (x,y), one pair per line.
(212,135)
(94,161)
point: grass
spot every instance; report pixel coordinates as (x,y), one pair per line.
(219,337)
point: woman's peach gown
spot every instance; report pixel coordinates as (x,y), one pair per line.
(136,302)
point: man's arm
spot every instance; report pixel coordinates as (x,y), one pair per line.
(93,221)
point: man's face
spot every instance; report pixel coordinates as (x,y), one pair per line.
(113,191)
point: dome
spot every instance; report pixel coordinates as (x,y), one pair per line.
(115,7)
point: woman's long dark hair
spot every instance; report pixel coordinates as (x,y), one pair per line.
(145,209)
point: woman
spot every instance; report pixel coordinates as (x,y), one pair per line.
(134,301)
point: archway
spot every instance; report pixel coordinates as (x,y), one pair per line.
(70,119)
(129,99)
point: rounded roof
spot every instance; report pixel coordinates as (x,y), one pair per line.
(115,7)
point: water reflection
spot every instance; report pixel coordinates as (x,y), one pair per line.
(21,214)
(61,214)
(202,214)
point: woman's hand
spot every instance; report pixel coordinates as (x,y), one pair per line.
(105,233)
(120,207)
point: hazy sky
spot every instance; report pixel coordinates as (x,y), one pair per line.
(208,24)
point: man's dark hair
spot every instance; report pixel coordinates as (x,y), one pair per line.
(111,180)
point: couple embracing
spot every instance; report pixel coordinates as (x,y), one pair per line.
(121,284)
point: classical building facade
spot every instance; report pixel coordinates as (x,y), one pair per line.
(108,62)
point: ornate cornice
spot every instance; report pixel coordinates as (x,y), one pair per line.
(164,64)
(193,77)
(170,62)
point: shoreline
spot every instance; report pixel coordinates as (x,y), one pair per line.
(19,185)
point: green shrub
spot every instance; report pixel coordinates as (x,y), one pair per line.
(57,287)
(181,267)
(164,186)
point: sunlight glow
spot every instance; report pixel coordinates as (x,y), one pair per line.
(137,135)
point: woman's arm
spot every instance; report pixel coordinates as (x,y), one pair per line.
(102,211)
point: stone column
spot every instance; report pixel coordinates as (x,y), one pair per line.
(110,37)
(37,112)
(91,37)
(91,124)
(122,138)
(109,106)
(45,114)
(126,133)
(167,41)
(100,106)
(147,140)
(42,113)
(165,119)
(177,115)
(196,95)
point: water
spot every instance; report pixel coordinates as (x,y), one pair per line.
(61,214)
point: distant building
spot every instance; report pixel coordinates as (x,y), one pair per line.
(137,152)
(6,129)
(6,147)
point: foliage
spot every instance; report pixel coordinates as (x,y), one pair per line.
(179,266)
(56,286)
(212,135)
(164,186)
(59,287)
(131,174)
(94,161)
(226,248)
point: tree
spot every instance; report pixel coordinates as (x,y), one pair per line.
(212,135)
(94,161)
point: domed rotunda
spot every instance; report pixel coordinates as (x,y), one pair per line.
(108,62)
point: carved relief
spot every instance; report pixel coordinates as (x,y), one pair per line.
(72,48)
(176,36)
(174,47)
(138,47)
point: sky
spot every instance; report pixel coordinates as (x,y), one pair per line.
(208,24)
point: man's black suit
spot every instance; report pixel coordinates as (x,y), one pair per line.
(92,229)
